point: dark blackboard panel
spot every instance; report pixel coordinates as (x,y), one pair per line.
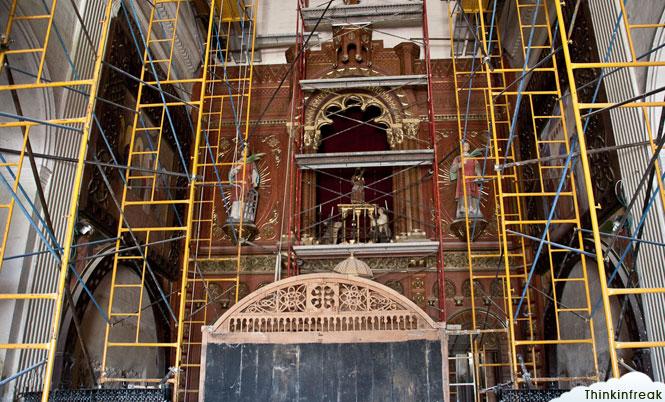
(263,390)
(328,364)
(397,371)
(248,372)
(382,387)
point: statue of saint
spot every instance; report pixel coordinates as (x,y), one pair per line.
(332,232)
(380,228)
(358,189)
(247,191)
(471,167)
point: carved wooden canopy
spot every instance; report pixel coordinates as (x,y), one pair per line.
(323,308)
(398,122)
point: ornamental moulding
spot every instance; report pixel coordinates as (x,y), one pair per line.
(325,306)
(398,124)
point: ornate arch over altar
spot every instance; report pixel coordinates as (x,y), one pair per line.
(393,106)
(393,115)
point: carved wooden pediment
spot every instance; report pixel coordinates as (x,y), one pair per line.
(324,305)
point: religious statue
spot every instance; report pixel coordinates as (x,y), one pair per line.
(247,191)
(380,229)
(358,189)
(471,167)
(331,232)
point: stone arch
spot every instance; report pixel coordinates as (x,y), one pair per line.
(324,308)
(393,108)
(96,274)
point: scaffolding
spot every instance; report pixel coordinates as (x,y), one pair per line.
(18,83)
(227,92)
(215,93)
(641,285)
(534,200)
(559,178)
(470,79)
(518,187)
(162,30)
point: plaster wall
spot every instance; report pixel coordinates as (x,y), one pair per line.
(644,12)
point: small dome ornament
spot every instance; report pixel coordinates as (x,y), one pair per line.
(355,267)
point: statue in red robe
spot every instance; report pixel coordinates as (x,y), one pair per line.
(247,191)
(468,170)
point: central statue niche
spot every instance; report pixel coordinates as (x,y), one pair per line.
(354,205)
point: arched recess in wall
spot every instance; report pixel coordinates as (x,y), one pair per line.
(493,347)
(344,133)
(373,114)
(150,362)
(577,360)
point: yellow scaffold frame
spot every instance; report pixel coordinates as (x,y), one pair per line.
(508,177)
(465,88)
(83,124)
(230,21)
(159,31)
(633,62)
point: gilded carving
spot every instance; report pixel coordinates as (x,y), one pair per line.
(224,147)
(418,283)
(449,288)
(217,231)
(410,128)
(243,290)
(215,294)
(375,263)
(268,230)
(391,116)
(248,264)
(478,290)
(496,288)
(273,142)
(396,286)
